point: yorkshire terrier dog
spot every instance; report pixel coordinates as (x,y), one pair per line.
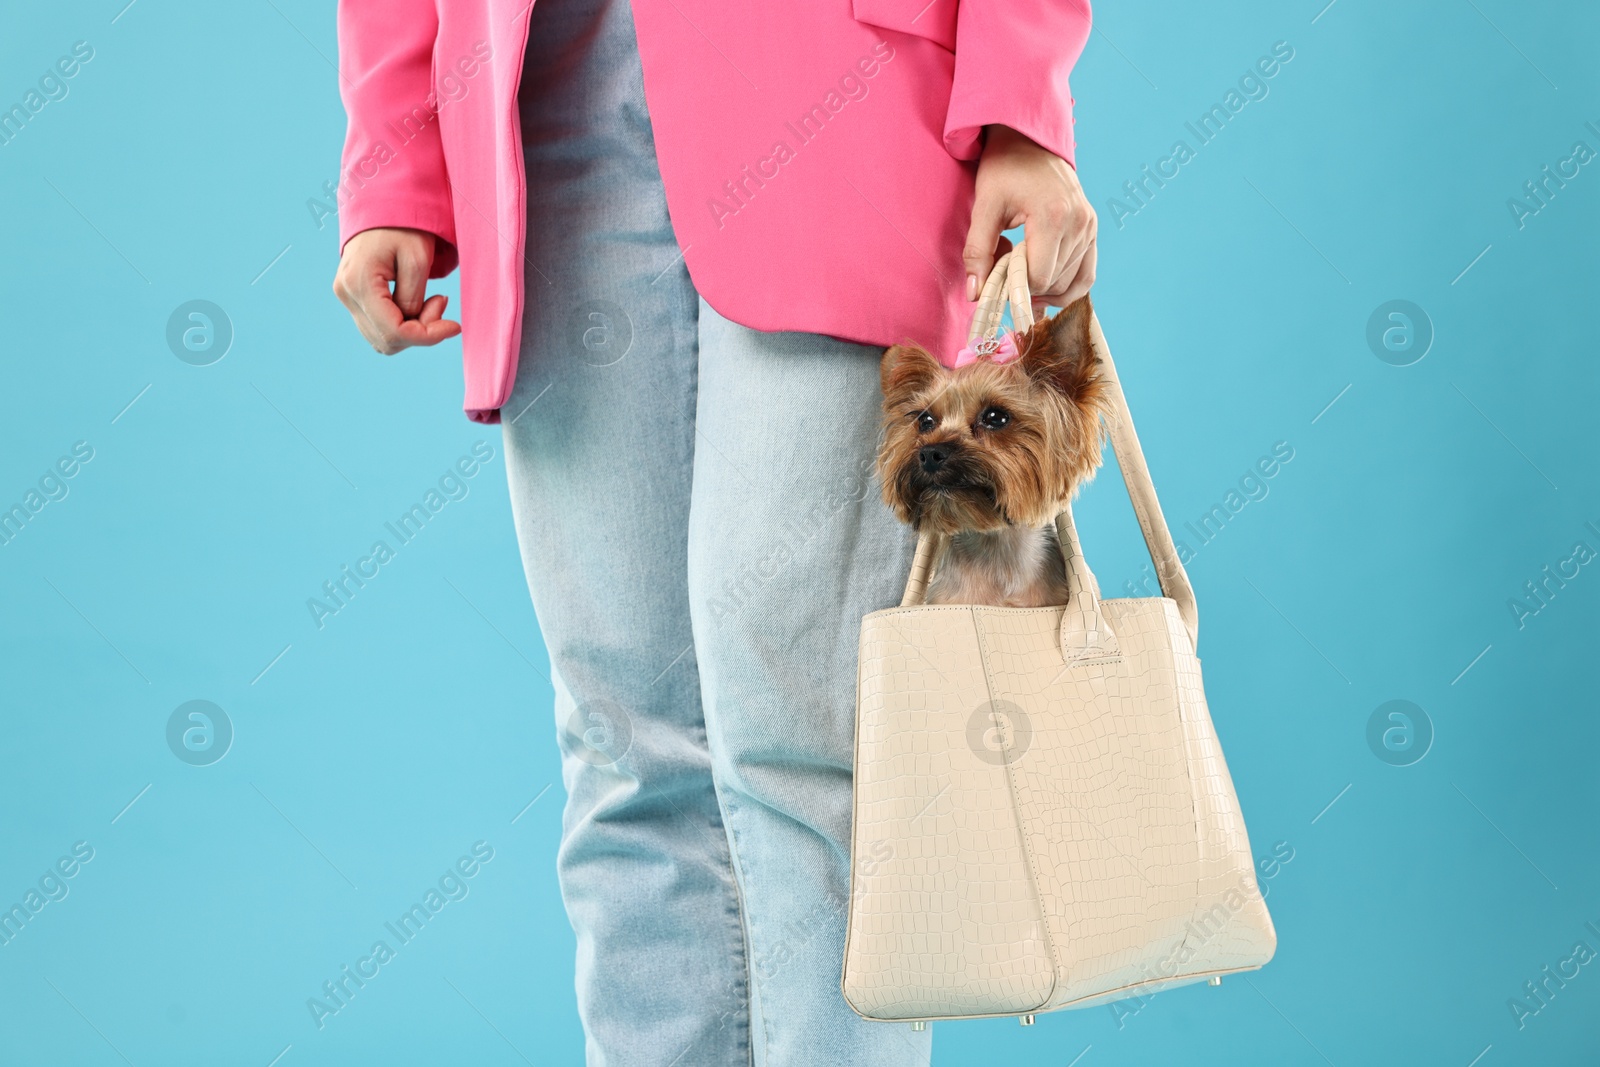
(987,448)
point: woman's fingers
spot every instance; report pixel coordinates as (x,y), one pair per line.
(431,326)
(989,212)
(1084,278)
(397,318)
(1073,279)
(411,265)
(378,316)
(433,310)
(1021,183)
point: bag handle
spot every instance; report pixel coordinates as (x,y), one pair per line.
(1083,628)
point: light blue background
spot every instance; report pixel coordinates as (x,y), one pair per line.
(376,751)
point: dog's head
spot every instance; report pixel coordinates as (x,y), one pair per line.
(992,445)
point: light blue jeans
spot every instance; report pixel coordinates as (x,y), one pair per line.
(701,533)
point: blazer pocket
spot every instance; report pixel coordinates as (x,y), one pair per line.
(934,21)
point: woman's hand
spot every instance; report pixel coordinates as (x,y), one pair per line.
(1022,184)
(390,321)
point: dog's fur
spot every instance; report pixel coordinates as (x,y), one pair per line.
(990,454)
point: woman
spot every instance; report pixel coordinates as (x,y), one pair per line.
(677,315)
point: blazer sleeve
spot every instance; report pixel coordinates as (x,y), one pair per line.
(1012,62)
(392,171)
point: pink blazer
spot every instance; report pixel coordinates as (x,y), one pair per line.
(817,154)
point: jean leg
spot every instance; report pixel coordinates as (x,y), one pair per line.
(790,545)
(599,437)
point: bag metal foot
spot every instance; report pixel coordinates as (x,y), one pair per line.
(1215,979)
(1025,1020)
(920,1024)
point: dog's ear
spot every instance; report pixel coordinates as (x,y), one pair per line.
(906,369)
(1058,351)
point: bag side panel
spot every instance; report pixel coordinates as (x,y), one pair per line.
(1231,928)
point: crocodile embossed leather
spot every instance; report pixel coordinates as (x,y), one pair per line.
(1043,816)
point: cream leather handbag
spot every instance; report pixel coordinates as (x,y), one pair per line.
(1043,817)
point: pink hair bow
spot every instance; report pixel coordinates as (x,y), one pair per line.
(999,350)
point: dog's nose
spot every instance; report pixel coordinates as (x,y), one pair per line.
(932,457)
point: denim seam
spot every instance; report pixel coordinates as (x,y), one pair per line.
(737,869)
(729,842)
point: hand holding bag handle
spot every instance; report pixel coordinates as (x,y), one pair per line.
(1084,630)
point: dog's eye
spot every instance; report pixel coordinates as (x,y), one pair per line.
(926,422)
(994,418)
